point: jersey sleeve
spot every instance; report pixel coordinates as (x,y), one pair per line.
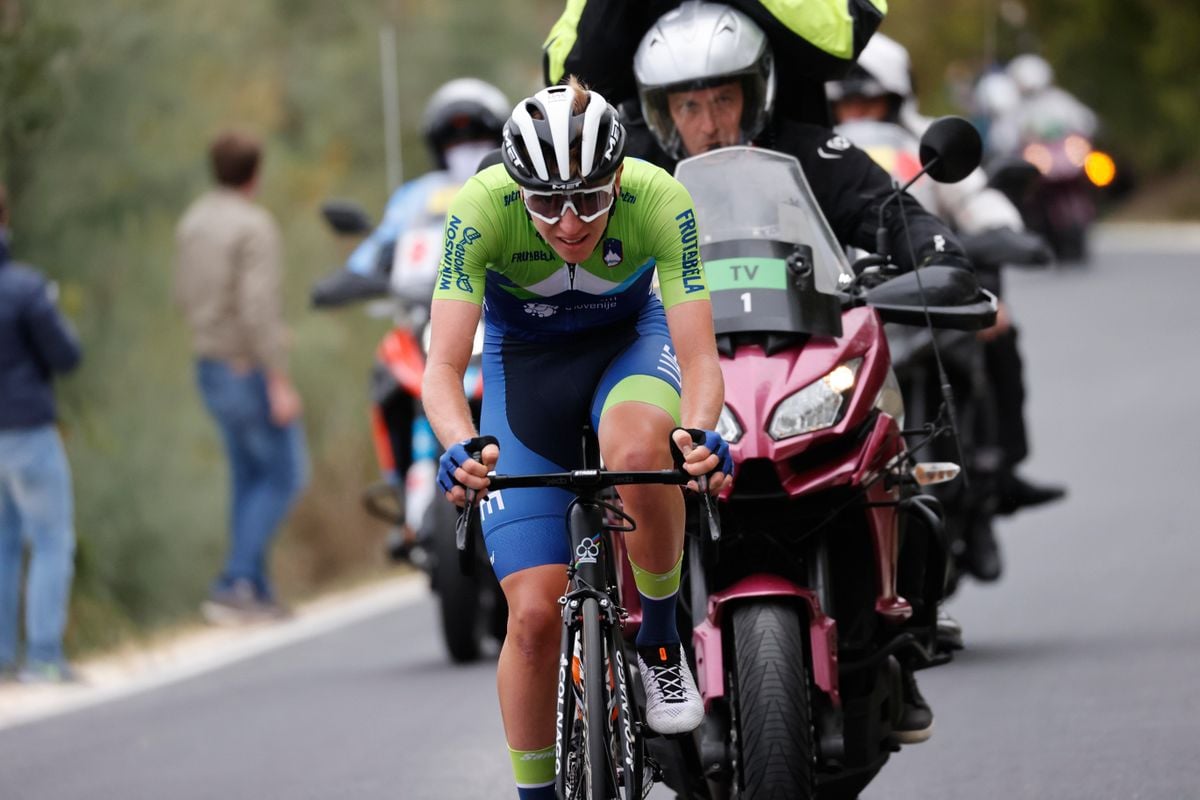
(675,243)
(468,242)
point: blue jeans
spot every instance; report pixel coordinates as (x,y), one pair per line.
(268,466)
(36,508)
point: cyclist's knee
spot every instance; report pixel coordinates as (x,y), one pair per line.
(534,629)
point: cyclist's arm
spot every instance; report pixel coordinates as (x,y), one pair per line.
(468,240)
(685,296)
(453,330)
(695,347)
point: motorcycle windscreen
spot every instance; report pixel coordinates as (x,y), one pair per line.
(772,263)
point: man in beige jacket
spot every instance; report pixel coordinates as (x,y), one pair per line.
(228,285)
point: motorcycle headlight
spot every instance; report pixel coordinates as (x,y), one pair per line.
(728,426)
(816,406)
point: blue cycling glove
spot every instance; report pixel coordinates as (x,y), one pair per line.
(458,454)
(710,439)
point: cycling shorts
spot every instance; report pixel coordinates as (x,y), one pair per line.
(537,398)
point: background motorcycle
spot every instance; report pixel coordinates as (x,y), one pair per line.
(1056,182)
(472,607)
(800,626)
(970,505)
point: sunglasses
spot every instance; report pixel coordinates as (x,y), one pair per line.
(588,204)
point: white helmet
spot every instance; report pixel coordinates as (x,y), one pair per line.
(551,145)
(465,109)
(996,94)
(1031,73)
(886,60)
(697,46)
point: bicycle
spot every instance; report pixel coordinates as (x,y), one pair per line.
(599,748)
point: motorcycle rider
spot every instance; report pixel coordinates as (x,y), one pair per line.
(556,247)
(1046,111)
(461,124)
(879,91)
(813,42)
(706,79)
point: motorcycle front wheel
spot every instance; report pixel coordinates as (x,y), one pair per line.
(772,713)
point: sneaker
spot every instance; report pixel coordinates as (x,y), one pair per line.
(673,703)
(916,717)
(239,604)
(47,672)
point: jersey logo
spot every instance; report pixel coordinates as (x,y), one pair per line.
(540,310)
(614,252)
(837,145)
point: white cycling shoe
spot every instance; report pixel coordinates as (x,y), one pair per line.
(673,703)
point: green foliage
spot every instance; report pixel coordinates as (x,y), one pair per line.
(106,110)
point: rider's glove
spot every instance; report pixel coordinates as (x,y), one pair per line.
(457,455)
(715,444)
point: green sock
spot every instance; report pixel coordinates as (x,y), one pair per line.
(534,772)
(658,593)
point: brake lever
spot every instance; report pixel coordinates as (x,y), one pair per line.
(710,510)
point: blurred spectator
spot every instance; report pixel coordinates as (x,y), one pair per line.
(36,507)
(228,285)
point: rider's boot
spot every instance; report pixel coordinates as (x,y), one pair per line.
(916,717)
(949,632)
(983,551)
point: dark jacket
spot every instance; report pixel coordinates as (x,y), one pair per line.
(850,188)
(35,343)
(596,42)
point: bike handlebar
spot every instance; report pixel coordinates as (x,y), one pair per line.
(586,479)
(589,479)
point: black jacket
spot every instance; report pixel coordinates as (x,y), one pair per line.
(35,343)
(850,188)
(598,46)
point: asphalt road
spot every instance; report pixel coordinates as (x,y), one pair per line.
(1080,679)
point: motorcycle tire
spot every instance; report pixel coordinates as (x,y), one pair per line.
(459,596)
(775,746)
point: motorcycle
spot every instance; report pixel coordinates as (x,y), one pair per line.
(472,608)
(1055,183)
(800,633)
(960,361)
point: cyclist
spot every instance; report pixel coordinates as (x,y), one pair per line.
(706,79)
(559,246)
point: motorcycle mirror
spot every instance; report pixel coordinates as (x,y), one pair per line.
(346,217)
(951,149)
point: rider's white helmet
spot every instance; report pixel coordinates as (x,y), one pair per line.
(886,60)
(697,46)
(1031,73)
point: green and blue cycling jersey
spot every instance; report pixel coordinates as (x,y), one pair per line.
(493,255)
(564,343)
